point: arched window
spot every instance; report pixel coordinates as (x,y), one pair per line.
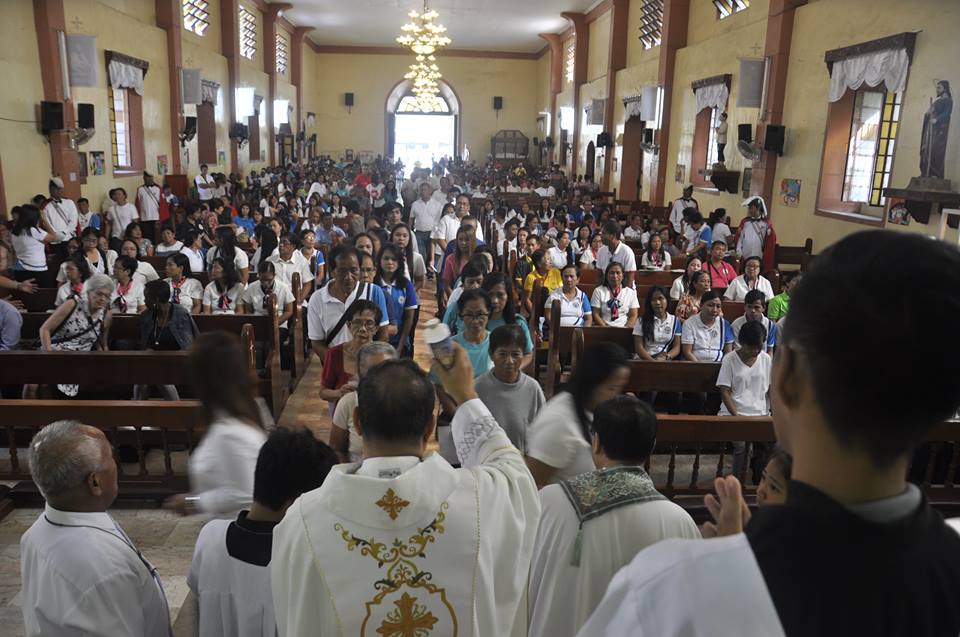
(408,104)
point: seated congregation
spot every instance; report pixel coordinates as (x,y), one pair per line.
(580,359)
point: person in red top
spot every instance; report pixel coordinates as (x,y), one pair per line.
(340,364)
(721,273)
(363,178)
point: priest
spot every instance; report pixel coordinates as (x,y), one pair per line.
(855,550)
(402,543)
(593,524)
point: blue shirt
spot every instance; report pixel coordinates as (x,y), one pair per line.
(327,237)
(494,324)
(398,300)
(246,223)
(479,353)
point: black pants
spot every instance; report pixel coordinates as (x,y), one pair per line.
(149,229)
(720,148)
(43,278)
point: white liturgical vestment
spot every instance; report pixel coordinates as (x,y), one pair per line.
(403,546)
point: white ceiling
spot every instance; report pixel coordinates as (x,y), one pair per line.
(495,25)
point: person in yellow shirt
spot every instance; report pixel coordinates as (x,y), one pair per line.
(544,272)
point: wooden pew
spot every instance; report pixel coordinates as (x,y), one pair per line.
(41,301)
(793,255)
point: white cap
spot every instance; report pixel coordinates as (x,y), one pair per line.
(56,181)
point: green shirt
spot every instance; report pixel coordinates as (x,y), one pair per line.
(778,306)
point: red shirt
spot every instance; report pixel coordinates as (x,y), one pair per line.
(363,179)
(334,375)
(720,275)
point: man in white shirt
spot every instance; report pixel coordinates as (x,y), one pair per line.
(681,204)
(402,543)
(288,260)
(424,216)
(229,577)
(855,549)
(61,213)
(206,186)
(151,206)
(616,250)
(317,187)
(545,189)
(445,230)
(80,572)
(120,214)
(463,210)
(593,524)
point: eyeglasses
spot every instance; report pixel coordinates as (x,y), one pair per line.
(359,324)
(368,270)
(475,317)
(346,271)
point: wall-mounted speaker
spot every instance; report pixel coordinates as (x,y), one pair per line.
(773,139)
(348,99)
(548,141)
(744,133)
(189,129)
(85,117)
(604,140)
(497,103)
(536,141)
(51,117)
(647,135)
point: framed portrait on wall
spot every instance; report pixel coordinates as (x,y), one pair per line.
(897,213)
(745,186)
(83,167)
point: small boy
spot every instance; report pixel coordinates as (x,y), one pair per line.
(753,306)
(512,397)
(744,382)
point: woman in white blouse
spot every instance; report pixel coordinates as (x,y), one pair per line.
(222,294)
(613,304)
(184,290)
(559,439)
(128,296)
(222,466)
(656,337)
(751,279)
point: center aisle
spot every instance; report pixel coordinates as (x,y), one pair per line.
(305,408)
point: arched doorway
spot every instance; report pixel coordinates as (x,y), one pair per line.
(631,166)
(414,137)
(590,167)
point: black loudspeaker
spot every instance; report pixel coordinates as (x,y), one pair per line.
(604,140)
(744,133)
(536,141)
(51,116)
(773,139)
(189,127)
(548,141)
(497,103)
(647,135)
(85,116)
(348,99)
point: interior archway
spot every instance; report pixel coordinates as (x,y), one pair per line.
(419,137)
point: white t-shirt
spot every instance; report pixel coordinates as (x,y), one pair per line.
(145,273)
(343,418)
(240,258)
(205,187)
(189,289)
(212,296)
(738,288)
(120,217)
(446,228)
(285,269)
(633,233)
(30,250)
(162,250)
(664,331)
(195,257)
(557,257)
(571,311)
(748,385)
(645,262)
(707,342)
(253,296)
(425,214)
(622,255)
(555,438)
(721,232)
(132,298)
(677,289)
(549,191)
(148,198)
(601,300)
(62,216)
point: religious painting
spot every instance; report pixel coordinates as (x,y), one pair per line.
(263,155)
(162,165)
(897,213)
(936,125)
(348,154)
(790,192)
(747,178)
(221,158)
(679,172)
(366,156)
(98,161)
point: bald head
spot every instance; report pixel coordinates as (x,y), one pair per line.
(72,465)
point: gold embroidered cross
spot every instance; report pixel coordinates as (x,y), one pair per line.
(408,619)
(392,504)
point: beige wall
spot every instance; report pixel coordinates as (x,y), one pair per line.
(371,77)
(598,53)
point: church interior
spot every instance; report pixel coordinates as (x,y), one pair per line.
(671,116)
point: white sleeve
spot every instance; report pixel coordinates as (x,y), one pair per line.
(551,438)
(242,260)
(686,334)
(631,265)
(236,464)
(725,377)
(114,606)
(667,261)
(209,294)
(315,331)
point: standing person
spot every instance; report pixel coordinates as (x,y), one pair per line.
(451,523)
(229,576)
(424,215)
(120,214)
(721,136)
(616,251)
(151,205)
(340,364)
(593,524)
(344,438)
(699,236)
(514,398)
(222,466)
(61,213)
(755,237)
(848,503)
(31,233)
(400,297)
(685,201)
(206,186)
(413,264)
(559,442)
(81,574)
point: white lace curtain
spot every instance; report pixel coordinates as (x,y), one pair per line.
(209,90)
(712,96)
(631,106)
(123,75)
(889,67)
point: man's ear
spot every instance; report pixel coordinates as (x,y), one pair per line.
(431,431)
(356,421)
(94,484)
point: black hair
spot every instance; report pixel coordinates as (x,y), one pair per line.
(753,296)
(499,278)
(269,241)
(227,247)
(157,290)
(693,282)
(190,237)
(471,270)
(363,305)
(538,256)
(473,295)
(221,379)
(753,258)
(128,264)
(646,319)
(230,275)
(134,243)
(598,363)
(290,463)
(408,251)
(395,402)
(266,266)
(182,261)
(605,283)
(128,233)
(343,250)
(752,334)
(696,217)
(399,281)
(710,295)
(859,271)
(508,336)
(28,216)
(83,266)
(626,429)
(784,460)
(612,227)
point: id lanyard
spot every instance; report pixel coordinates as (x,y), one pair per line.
(123,538)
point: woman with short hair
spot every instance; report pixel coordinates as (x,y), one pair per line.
(614,305)
(128,296)
(751,279)
(184,290)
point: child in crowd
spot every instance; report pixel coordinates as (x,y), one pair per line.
(753,308)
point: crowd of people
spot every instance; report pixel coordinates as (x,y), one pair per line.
(536,517)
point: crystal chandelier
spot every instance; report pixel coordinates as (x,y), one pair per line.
(424,37)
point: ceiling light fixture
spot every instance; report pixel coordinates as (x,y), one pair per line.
(424,36)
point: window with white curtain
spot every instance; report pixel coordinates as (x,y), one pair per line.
(244,102)
(280,113)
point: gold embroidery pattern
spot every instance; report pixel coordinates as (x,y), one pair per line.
(392,503)
(413,614)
